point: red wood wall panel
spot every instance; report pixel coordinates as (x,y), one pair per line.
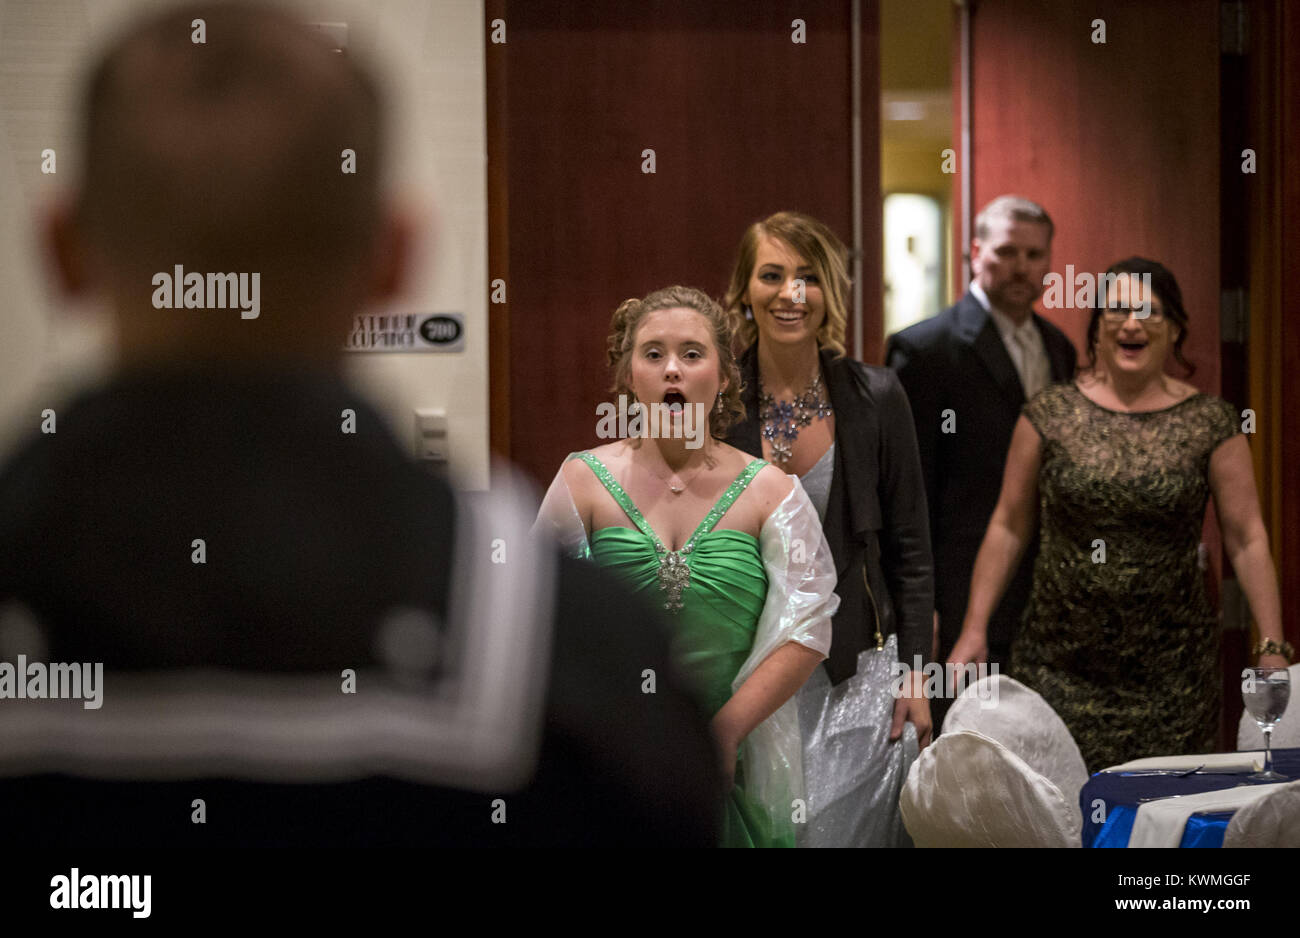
(743,122)
(1289,227)
(1119,142)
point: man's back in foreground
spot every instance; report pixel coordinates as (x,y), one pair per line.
(303,639)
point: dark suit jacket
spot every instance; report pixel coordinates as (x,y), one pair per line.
(875,513)
(956,361)
(312,536)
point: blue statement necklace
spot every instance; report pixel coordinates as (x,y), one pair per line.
(782,420)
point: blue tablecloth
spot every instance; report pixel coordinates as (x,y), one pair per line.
(1110,802)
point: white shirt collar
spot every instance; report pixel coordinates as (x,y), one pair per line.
(1006,328)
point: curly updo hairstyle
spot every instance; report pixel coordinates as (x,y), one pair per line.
(622,342)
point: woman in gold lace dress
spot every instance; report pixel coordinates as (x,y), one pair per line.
(1119,636)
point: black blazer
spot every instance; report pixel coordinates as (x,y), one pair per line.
(956,361)
(875,513)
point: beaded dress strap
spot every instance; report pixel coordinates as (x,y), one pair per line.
(624,500)
(728,498)
(715,514)
(674,566)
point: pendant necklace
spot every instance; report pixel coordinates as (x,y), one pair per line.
(674,571)
(782,420)
(680,486)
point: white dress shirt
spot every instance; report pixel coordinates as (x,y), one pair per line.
(1024,343)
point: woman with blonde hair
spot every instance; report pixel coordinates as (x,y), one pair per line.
(845,429)
(705,532)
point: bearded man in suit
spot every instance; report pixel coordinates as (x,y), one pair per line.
(968,371)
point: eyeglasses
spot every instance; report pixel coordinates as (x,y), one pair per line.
(1118,314)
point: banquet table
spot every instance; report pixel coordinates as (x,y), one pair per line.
(1118,796)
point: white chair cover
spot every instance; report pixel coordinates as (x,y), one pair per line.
(1003,709)
(1286,732)
(967,790)
(1272,821)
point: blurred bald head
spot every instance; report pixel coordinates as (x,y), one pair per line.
(227,155)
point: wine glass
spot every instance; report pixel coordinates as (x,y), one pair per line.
(1265,692)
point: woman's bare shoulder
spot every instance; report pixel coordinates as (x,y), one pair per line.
(771,487)
(735,461)
(610,454)
(578,474)
(731,461)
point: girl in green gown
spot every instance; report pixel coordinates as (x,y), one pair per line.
(730,547)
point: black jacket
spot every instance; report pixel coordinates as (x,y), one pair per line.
(875,513)
(313,537)
(956,361)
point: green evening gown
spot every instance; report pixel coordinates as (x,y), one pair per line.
(714,588)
